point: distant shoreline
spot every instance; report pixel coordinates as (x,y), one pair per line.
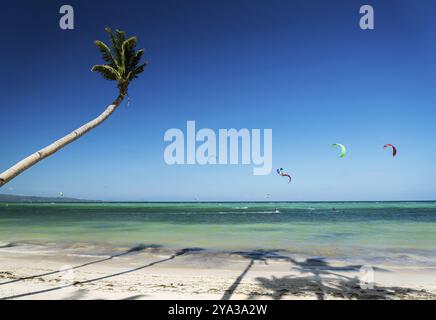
(9,198)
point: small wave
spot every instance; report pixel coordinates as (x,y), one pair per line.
(240,208)
(6,244)
(265,211)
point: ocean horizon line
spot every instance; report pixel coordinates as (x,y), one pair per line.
(85,201)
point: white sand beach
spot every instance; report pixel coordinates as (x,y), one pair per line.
(34,272)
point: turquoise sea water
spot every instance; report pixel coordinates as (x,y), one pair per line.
(328,229)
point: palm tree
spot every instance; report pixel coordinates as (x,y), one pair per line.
(122,65)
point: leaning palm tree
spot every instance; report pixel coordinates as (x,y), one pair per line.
(123,64)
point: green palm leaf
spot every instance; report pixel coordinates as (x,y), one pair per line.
(105,52)
(108,72)
(134,73)
(128,51)
(116,45)
(136,58)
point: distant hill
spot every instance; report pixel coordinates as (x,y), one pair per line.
(15,198)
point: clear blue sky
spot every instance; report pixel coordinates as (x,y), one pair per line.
(302,68)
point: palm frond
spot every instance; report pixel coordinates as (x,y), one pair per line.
(134,73)
(116,45)
(108,72)
(121,36)
(106,53)
(134,61)
(127,52)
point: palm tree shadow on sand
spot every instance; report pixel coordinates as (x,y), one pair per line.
(255,255)
(179,253)
(321,289)
(323,280)
(135,249)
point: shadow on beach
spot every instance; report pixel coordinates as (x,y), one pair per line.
(134,249)
(315,278)
(323,280)
(328,288)
(131,250)
(256,255)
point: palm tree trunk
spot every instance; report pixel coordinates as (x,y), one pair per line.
(28,162)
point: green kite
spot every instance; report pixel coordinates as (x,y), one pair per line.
(343,150)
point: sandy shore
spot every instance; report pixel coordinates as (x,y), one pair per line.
(32,272)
